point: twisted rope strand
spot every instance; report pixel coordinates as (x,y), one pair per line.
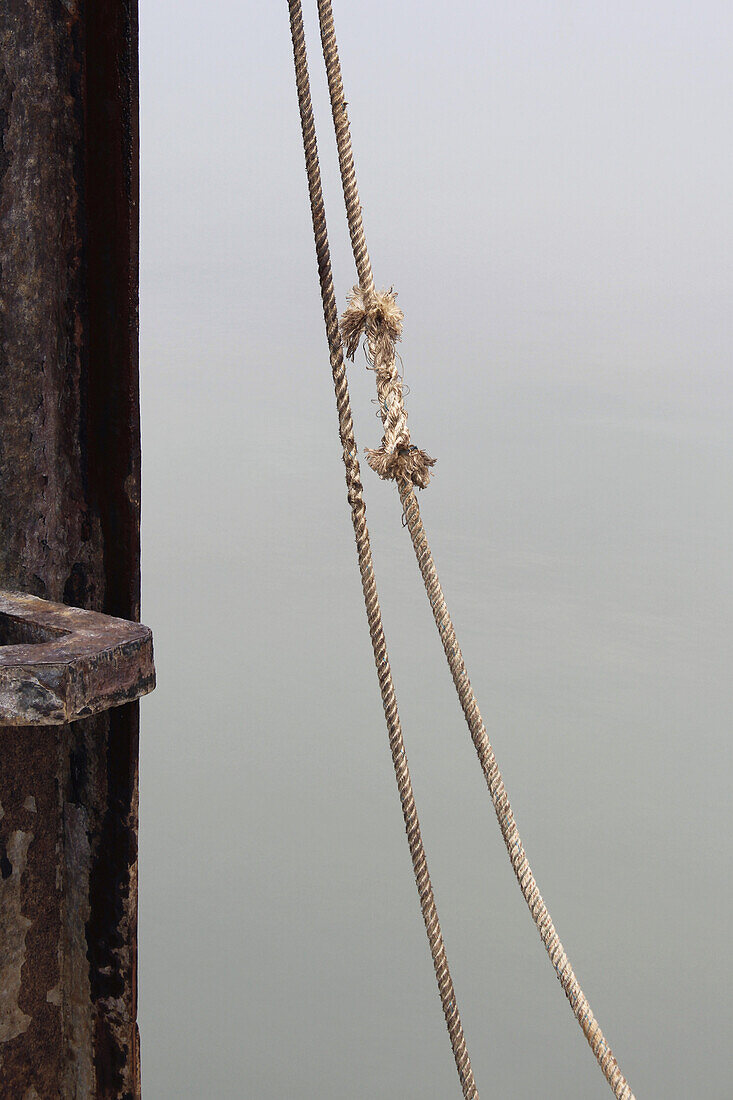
(379,332)
(366,569)
(370,312)
(500,799)
(378,317)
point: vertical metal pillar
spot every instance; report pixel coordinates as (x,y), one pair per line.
(69,531)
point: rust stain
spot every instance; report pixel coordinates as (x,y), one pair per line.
(69,523)
(60,663)
(13,929)
(79,1076)
(31,837)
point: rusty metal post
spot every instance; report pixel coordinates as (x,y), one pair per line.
(69,532)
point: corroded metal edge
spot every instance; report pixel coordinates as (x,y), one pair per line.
(69,532)
(83,663)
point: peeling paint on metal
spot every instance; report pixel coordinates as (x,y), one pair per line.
(69,514)
(29,699)
(13,928)
(61,663)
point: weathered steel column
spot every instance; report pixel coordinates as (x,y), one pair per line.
(69,532)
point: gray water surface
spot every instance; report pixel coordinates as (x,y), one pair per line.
(548,187)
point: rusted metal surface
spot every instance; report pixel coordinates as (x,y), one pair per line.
(33,1020)
(69,532)
(59,663)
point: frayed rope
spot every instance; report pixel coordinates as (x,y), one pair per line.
(377,316)
(410,463)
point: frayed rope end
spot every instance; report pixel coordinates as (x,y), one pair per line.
(379,309)
(405,463)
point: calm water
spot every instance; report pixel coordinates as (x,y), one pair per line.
(567,286)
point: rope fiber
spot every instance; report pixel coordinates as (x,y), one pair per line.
(375,316)
(366,568)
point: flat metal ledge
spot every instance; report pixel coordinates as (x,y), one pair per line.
(59,663)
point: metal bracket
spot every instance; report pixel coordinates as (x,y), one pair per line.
(59,663)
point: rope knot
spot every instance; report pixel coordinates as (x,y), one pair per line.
(376,315)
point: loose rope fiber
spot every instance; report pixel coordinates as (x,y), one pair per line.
(380,318)
(375,316)
(361,532)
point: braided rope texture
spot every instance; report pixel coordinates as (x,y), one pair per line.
(382,328)
(378,317)
(502,807)
(366,569)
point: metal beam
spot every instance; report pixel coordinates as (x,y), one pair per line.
(69,532)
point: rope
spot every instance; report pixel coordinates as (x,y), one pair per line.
(502,807)
(361,532)
(378,316)
(374,316)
